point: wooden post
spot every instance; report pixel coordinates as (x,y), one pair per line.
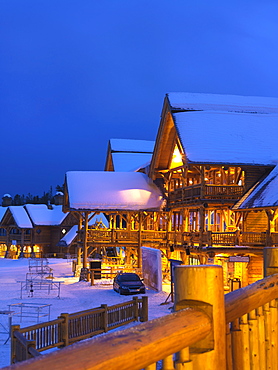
(261,338)
(13,343)
(201,225)
(273,333)
(92,277)
(135,308)
(202,287)
(151,367)
(254,340)
(85,241)
(270,261)
(65,328)
(105,318)
(268,344)
(78,246)
(139,252)
(168,363)
(145,313)
(30,344)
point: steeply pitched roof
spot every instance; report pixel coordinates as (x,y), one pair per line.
(216,102)
(128,154)
(263,195)
(96,190)
(217,129)
(130,162)
(2,212)
(42,215)
(21,217)
(69,237)
(131,146)
(228,137)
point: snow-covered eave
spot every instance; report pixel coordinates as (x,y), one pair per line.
(119,209)
(253,208)
(184,101)
(130,152)
(227,163)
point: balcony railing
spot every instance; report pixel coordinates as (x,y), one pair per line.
(208,238)
(190,193)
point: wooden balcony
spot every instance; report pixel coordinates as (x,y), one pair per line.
(208,238)
(189,194)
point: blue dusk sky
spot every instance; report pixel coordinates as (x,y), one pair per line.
(76,73)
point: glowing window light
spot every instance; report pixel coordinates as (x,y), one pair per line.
(177,158)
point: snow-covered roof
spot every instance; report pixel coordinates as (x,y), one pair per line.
(217,102)
(69,237)
(2,212)
(130,161)
(131,146)
(228,137)
(264,195)
(21,217)
(42,215)
(103,190)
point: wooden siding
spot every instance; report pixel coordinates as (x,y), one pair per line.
(255,269)
(256,222)
(254,174)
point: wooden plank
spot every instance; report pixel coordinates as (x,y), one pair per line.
(250,297)
(133,349)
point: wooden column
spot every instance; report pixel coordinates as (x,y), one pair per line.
(139,251)
(85,241)
(78,262)
(270,261)
(201,225)
(202,287)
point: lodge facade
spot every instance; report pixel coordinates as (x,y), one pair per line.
(205,192)
(204,168)
(33,230)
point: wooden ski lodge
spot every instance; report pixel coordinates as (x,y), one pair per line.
(204,192)
(213,158)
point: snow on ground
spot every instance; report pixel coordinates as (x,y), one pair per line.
(74,296)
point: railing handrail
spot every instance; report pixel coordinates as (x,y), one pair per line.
(131,349)
(66,331)
(150,342)
(40,325)
(250,297)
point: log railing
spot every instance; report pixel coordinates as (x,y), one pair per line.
(194,337)
(209,238)
(70,328)
(251,316)
(198,191)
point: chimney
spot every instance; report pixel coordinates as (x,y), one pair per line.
(58,198)
(7,200)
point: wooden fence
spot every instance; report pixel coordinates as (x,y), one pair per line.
(69,328)
(209,331)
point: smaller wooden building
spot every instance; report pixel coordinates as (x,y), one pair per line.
(33,230)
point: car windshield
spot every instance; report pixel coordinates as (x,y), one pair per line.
(128,277)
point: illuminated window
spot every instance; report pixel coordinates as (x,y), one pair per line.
(176,159)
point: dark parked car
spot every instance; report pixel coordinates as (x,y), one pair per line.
(128,283)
